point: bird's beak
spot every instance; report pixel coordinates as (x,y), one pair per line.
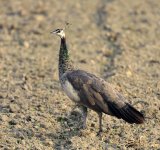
(53,32)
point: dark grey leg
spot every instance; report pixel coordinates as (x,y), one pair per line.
(100,122)
(74,107)
(84,115)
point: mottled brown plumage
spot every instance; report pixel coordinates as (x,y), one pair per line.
(93,92)
(98,95)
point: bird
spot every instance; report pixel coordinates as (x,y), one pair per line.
(89,91)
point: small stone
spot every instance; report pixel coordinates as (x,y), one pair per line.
(83,61)
(48,142)
(29,118)
(23,142)
(39,17)
(4,118)
(45,125)
(93,62)
(36,127)
(92,135)
(129,73)
(14,108)
(108,53)
(26,44)
(13,122)
(92,125)
(18,126)
(24,106)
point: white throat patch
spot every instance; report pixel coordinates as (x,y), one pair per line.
(69,90)
(61,34)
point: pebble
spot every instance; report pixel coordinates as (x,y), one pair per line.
(48,142)
(83,61)
(108,53)
(26,44)
(39,17)
(129,73)
(23,142)
(46,125)
(14,108)
(4,118)
(18,126)
(12,122)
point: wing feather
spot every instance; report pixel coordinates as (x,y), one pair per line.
(100,96)
(93,91)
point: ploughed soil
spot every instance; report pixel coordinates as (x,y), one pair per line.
(114,39)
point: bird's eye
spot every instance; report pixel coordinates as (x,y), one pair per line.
(58,30)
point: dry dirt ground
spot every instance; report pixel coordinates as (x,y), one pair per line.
(116,39)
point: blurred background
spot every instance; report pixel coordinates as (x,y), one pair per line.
(114,39)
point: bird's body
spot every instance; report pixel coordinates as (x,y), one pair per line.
(91,91)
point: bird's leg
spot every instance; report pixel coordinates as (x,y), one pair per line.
(100,122)
(84,115)
(75,106)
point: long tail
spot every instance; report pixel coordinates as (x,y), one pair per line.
(127,113)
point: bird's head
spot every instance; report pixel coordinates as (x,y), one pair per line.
(59,32)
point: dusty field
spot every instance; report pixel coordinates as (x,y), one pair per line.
(115,39)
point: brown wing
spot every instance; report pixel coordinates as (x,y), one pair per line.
(100,96)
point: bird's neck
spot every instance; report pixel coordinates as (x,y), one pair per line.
(64,61)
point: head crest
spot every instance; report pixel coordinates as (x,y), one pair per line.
(67,25)
(60,32)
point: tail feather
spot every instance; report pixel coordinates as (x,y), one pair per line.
(127,113)
(138,117)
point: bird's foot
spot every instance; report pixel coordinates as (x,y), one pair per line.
(75,106)
(84,116)
(99,132)
(84,126)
